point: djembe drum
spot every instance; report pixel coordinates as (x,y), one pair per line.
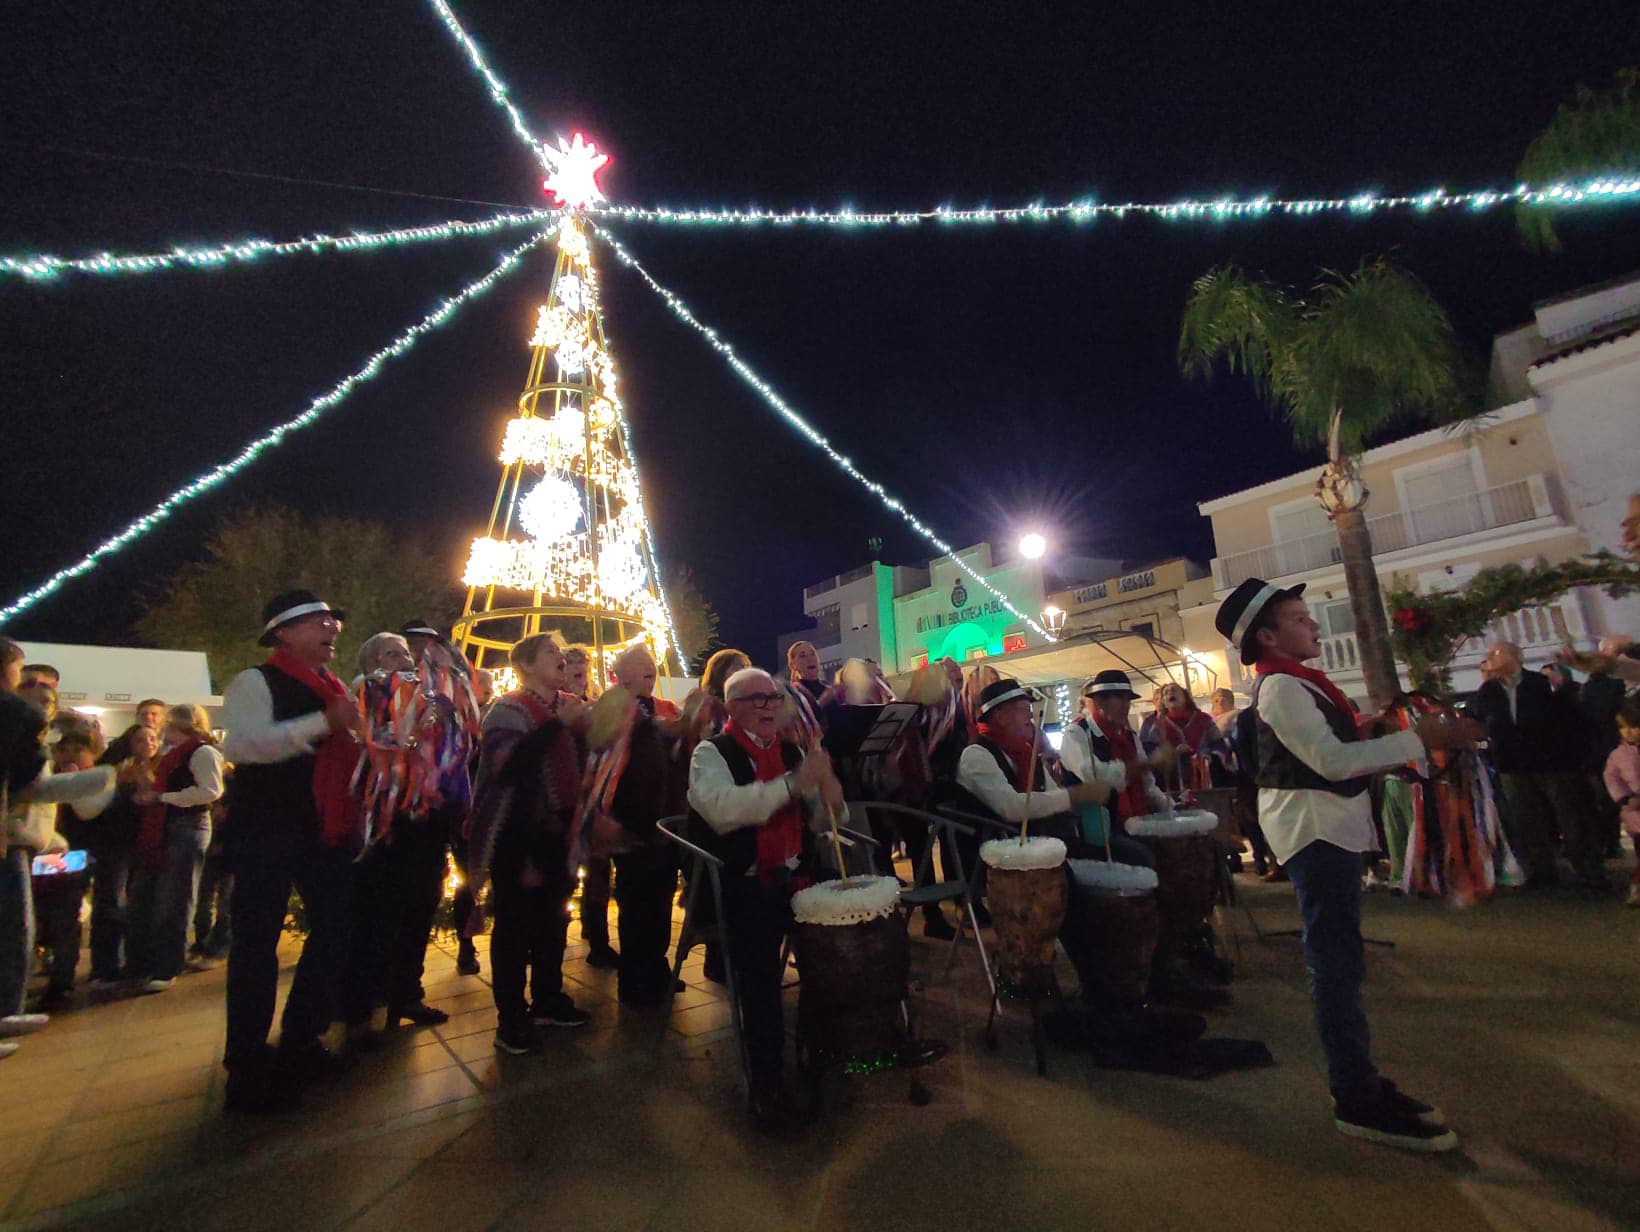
(1187,861)
(1114,913)
(1026,894)
(852,948)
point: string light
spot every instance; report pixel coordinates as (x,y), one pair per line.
(1619,188)
(497,88)
(573,176)
(213,256)
(226,470)
(808,430)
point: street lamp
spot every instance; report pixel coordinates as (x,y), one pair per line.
(1053,619)
(1033,546)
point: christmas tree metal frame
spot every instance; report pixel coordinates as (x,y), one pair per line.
(569,549)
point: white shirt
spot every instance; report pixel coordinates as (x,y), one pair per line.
(727,805)
(205,764)
(253,737)
(1293,818)
(978,772)
(1076,751)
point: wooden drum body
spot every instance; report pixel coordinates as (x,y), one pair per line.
(1187,864)
(855,960)
(1026,894)
(1115,915)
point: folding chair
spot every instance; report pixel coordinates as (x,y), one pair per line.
(924,890)
(997,828)
(697,862)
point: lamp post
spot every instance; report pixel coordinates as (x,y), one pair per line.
(1053,619)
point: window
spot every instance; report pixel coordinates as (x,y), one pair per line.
(1012,642)
(1441,500)
(859,616)
(1334,616)
(1304,538)
(1144,628)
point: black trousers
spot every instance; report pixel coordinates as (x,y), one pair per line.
(595,904)
(465,898)
(396,895)
(527,943)
(645,881)
(759,915)
(266,862)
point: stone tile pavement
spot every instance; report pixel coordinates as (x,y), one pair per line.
(1519,1017)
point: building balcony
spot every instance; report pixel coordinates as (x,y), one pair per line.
(1505,506)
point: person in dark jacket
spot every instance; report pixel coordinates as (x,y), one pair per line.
(1533,733)
(1599,700)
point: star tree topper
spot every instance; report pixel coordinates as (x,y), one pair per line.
(573,172)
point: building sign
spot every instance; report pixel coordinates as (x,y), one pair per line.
(940,620)
(1012,642)
(959,594)
(1143,579)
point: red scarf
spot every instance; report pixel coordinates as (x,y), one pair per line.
(335,758)
(1188,728)
(151,835)
(1280,665)
(1131,801)
(780,839)
(1018,751)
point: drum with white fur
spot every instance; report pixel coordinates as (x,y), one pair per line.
(855,960)
(1026,894)
(1186,863)
(1112,930)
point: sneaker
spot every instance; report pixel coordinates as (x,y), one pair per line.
(516,1041)
(467,959)
(1389,1122)
(22,1024)
(1633,900)
(148,987)
(561,1013)
(604,958)
(1429,1114)
(7,1048)
(106,983)
(199,962)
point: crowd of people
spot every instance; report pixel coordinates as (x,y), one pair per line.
(356,796)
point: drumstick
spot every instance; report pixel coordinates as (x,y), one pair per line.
(1030,780)
(837,842)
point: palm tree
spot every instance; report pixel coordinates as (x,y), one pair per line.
(1596,134)
(1357,353)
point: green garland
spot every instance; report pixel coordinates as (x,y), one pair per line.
(1426,630)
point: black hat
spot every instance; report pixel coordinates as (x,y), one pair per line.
(1238,613)
(1004,690)
(1110,681)
(418,628)
(282,609)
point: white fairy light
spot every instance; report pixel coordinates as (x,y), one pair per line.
(43,266)
(551,510)
(219,474)
(570,293)
(497,88)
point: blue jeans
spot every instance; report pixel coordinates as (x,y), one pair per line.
(1328,882)
(162,899)
(110,885)
(16,927)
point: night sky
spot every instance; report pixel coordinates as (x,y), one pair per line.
(986,374)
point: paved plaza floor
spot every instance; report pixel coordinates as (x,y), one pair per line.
(1519,1017)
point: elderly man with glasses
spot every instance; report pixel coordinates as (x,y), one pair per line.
(754,793)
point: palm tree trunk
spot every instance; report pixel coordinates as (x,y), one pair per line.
(1366,604)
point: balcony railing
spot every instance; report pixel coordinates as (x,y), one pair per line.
(1508,504)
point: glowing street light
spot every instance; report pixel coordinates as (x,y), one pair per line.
(1032,546)
(1053,619)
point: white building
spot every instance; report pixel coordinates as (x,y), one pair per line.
(1546,474)
(109,681)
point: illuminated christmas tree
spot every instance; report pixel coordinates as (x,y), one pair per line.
(568,546)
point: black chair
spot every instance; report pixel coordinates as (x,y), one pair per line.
(924,890)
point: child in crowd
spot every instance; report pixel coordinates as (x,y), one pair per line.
(1623,782)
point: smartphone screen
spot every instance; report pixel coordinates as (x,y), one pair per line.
(61,862)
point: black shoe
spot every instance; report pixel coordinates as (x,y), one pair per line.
(603,958)
(1427,1113)
(300,1062)
(712,969)
(1390,1123)
(560,1013)
(51,1000)
(935,925)
(466,959)
(419,1013)
(517,1041)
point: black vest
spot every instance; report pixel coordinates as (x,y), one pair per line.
(279,793)
(181,779)
(1280,768)
(738,848)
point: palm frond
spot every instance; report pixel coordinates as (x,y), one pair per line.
(1595,134)
(1243,320)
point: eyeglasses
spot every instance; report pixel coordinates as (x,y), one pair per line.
(761,700)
